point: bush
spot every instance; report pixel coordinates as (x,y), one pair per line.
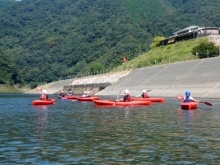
(156,42)
(205,50)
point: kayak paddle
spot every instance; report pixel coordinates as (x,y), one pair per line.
(178,97)
(38,88)
(91,88)
(205,102)
(118,95)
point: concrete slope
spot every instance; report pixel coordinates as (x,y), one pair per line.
(53,88)
(202,77)
(58,85)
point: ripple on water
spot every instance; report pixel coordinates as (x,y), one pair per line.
(4,149)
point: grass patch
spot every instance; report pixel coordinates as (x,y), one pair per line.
(179,51)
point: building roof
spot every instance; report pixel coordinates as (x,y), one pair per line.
(192,32)
(187,28)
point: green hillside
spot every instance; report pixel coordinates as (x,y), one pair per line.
(51,39)
(10,74)
(180,51)
(5,3)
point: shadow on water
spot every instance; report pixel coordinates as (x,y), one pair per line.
(72,132)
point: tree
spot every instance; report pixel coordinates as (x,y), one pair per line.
(9,72)
(96,67)
(156,42)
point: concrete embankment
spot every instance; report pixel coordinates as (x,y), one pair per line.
(201,77)
(65,85)
(92,83)
(53,87)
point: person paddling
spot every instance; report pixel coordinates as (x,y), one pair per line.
(69,93)
(188,98)
(44,96)
(86,94)
(62,94)
(144,94)
(126,96)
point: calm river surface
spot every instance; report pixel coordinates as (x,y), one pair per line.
(72,132)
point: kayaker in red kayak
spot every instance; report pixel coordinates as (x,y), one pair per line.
(188,98)
(44,96)
(86,94)
(126,96)
(144,94)
(62,94)
(69,93)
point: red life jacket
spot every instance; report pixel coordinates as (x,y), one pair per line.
(43,97)
(127,97)
(145,95)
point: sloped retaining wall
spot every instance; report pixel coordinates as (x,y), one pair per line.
(201,77)
(79,89)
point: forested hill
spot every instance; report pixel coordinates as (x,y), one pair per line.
(4,3)
(48,39)
(10,74)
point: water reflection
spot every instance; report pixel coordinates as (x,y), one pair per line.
(187,119)
(187,115)
(41,107)
(41,121)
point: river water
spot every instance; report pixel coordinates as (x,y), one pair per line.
(72,132)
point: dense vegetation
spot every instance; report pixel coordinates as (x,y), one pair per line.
(5,3)
(9,72)
(47,39)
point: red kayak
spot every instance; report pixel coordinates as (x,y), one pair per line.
(152,99)
(71,97)
(120,103)
(189,105)
(88,98)
(43,102)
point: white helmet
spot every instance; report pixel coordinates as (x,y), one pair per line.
(144,91)
(84,92)
(44,91)
(126,91)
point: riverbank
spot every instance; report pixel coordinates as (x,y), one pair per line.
(13,89)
